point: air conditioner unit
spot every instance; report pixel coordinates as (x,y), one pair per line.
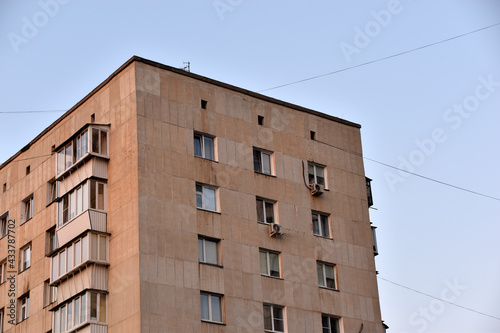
(317,189)
(275,230)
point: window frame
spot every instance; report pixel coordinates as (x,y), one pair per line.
(315,166)
(49,293)
(324,282)
(81,307)
(274,210)
(4,224)
(75,149)
(51,239)
(267,254)
(258,165)
(203,197)
(3,271)
(330,328)
(319,216)
(23,306)
(24,252)
(80,199)
(203,253)
(52,191)
(27,209)
(2,316)
(204,154)
(81,247)
(272,308)
(210,310)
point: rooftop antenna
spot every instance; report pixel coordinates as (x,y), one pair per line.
(187,66)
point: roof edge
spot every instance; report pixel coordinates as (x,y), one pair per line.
(181,72)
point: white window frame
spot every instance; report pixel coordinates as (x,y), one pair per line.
(79,200)
(27,209)
(210,309)
(82,251)
(3,271)
(262,201)
(51,240)
(321,228)
(81,307)
(329,328)
(52,190)
(77,149)
(24,258)
(205,187)
(24,307)
(314,174)
(204,154)
(323,283)
(273,308)
(267,254)
(259,166)
(2,315)
(202,250)
(49,293)
(4,223)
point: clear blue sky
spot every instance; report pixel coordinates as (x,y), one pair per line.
(434,111)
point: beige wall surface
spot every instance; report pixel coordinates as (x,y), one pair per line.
(169,112)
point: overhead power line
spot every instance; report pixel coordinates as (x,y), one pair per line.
(380,59)
(440,299)
(433,180)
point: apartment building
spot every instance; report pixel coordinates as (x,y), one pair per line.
(165,201)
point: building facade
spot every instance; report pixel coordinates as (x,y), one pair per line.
(165,201)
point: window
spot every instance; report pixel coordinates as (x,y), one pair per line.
(99,141)
(203,104)
(273,318)
(24,307)
(330,324)
(260,120)
(313,135)
(4,221)
(93,138)
(262,161)
(1,319)
(78,252)
(74,312)
(265,211)
(374,240)
(316,174)
(27,209)
(90,194)
(51,240)
(204,146)
(326,275)
(211,307)
(208,251)
(4,188)
(369,191)
(206,197)
(28,170)
(321,225)
(49,293)
(25,258)
(3,271)
(52,190)
(269,263)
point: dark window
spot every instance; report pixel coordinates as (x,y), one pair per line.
(313,135)
(204,104)
(28,170)
(260,120)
